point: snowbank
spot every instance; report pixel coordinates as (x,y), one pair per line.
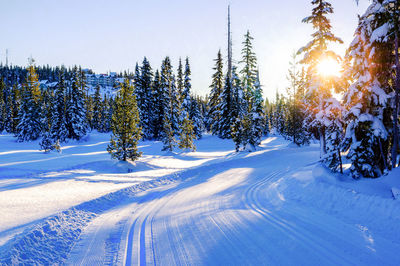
(366,202)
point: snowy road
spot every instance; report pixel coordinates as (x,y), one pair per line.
(231,212)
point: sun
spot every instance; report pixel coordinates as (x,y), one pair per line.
(329,67)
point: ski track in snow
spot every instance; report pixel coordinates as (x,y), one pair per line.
(230,216)
(227,211)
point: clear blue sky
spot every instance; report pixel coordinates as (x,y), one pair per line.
(114,35)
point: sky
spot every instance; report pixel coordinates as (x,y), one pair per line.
(114,35)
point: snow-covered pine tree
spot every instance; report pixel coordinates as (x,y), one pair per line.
(196,116)
(105,124)
(295,111)
(279,115)
(3,113)
(257,115)
(126,131)
(13,110)
(168,138)
(367,99)
(46,144)
(146,80)
(89,110)
(47,110)
(75,111)
(214,115)
(179,87)
(317,88)
(187,123)
(29,126)
(187,134)
(226,110)
(268,116)
(9,119)
(58,130)
(249,70)
(185,92)
(387,34)
(239,127)
(97,112)
(158,107)
(169,108)
(334,124)
(137,82)
(140,95)
(252,94)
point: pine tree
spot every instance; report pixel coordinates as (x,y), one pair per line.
(240,126)
(105,111)
(29,126)
(196,116)
(214,115)
(296,113)
(179,87)
(279,115)
(126,132)
(46,144)
(9,120)
(226,109)
(170,108)
(254,117)
(14,109)
(249,70)
(187,134)
(59,129)
(332,114)
(390,18)
(140,95)
(158,107)
(173,111)
(168,139)
(146,115)
(89,115)
(367,100)
(3,113)
(75,111)
(319,88)
(186,123)
(257,115)
(97,112)
(185,91)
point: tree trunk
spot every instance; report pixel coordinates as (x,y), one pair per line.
(322,142)
(340,161)
(382,154)
(396,100)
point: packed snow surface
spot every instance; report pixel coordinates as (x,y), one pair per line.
(276,205)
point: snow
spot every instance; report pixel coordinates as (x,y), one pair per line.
(380,34)
(276,205)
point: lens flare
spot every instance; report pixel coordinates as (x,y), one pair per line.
(329,67)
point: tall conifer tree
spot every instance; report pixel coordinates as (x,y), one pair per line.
(126,131)
(29,124)
(318,88)
(214,115)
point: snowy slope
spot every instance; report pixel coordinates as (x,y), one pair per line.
(273,206)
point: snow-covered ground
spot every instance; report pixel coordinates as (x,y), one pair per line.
(213,206)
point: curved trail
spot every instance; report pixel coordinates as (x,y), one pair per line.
(226,213)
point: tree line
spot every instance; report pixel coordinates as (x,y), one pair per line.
(166,108)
